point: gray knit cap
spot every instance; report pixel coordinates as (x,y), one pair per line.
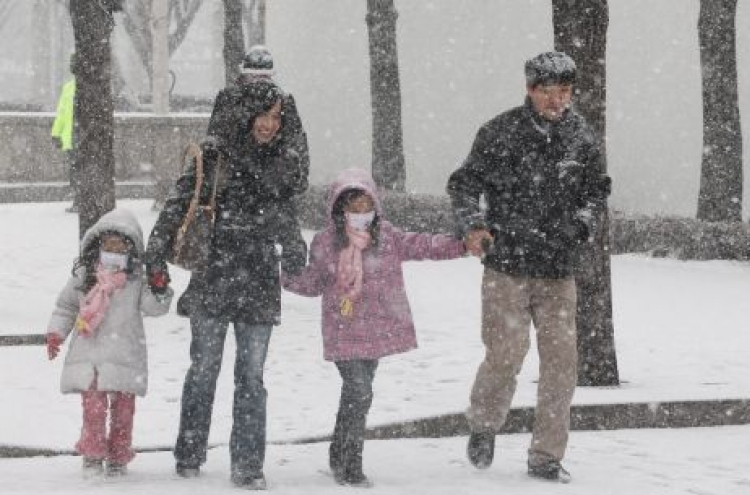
(550,68)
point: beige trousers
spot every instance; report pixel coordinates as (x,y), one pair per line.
(509,305)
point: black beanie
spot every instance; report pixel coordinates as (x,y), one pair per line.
(550,68)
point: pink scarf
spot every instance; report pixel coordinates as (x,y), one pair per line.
(96,302)
(350,263)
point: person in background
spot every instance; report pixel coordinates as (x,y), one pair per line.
(539,169)
(63,133)
(101,309)
(355,264)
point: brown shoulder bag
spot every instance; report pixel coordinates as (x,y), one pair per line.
(192,243)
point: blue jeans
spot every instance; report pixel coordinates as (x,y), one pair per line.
(248,441)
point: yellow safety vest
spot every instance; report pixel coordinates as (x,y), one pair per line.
(62,128)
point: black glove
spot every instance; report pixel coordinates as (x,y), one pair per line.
(293,260)
(158,277)
(581,233)
(210,148)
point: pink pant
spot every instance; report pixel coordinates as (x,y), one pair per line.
(94,442)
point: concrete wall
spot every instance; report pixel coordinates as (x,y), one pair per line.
(144,145)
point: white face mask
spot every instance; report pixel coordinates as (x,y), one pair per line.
(360,221)
(113,261)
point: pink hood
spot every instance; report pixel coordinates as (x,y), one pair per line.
(353,178)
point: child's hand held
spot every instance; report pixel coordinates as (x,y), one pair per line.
(158,279)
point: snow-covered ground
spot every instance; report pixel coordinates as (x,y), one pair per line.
(681,334)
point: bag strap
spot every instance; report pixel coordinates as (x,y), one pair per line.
(215,187)
(192,150)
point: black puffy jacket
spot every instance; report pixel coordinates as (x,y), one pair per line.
(543,184)
(254,213)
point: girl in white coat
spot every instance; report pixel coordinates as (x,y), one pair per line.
(102,308)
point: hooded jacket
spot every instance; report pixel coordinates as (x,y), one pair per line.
(381,323)
(544,185)
(254,213)
(116,352)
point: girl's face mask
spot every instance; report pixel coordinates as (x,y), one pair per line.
(113,261)
(360,221)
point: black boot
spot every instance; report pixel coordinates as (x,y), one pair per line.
(481,449)
(336,461)
(353,474)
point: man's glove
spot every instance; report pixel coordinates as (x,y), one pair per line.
(54,341)
(158,277)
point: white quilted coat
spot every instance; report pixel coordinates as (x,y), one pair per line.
(116,353)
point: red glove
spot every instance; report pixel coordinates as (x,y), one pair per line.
(54,341)
(158,279)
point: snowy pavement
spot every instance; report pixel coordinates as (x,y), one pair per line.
(699,461)
(681,334)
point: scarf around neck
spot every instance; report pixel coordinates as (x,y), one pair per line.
(96,302)
(350,271)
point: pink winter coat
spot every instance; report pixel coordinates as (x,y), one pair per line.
(381,323)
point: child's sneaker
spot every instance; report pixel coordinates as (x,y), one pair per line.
(549,470)
(92,467)
(115,469)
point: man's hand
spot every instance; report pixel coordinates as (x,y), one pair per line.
(476,241)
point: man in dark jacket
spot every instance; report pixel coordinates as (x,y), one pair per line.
(539,170)
(257,177)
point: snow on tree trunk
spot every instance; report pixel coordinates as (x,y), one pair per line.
(94,118)
(720,196)
(388,166)
(234,40)
(580,28)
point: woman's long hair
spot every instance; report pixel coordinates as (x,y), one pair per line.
(89,260)
(339,218)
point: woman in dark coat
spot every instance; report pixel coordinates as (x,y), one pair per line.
(259,176)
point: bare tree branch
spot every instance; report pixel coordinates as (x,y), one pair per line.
(137,23)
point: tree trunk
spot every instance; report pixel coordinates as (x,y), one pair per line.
(581,31)
(720,197)
(388,167)
(234,40)
(94,118)
(160,48)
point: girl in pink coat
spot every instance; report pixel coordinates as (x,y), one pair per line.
(355,264)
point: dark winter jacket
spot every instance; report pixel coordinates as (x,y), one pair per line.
(543,184)
(256,185)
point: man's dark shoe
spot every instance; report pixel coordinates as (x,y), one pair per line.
(187,471)
(549,470)
(481,449)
